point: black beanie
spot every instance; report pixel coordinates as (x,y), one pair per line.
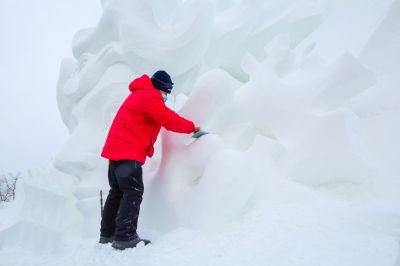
(162,81)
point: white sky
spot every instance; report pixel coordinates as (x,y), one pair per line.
(35,36)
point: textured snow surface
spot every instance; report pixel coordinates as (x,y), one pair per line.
(301,166)
(280,235)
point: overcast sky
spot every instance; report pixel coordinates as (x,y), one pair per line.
(35,36)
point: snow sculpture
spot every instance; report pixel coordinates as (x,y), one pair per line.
(290,120)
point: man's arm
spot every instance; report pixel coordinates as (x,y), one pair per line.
(156,109)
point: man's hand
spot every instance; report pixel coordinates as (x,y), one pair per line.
(196,128)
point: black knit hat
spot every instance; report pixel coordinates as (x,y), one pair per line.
(162,81)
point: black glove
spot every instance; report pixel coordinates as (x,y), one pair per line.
(198,134)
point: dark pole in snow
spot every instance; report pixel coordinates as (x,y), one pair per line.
(101,203)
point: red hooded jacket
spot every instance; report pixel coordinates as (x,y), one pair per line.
(138,121)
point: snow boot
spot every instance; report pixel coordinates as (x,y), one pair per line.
(121,245)
(105,240)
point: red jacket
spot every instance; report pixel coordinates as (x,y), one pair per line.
(138,121)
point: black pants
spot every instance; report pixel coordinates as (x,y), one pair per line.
(121,209)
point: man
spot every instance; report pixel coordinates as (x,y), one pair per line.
(130,139)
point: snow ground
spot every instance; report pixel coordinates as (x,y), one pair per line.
(292,234)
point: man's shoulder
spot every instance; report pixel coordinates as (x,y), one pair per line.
(142,93)
(146,92)
(141,98)
(152,94)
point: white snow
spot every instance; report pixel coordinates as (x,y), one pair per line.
(301,166)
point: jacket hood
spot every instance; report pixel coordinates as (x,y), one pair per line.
(143,82)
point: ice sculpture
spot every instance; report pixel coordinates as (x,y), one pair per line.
(291,122)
